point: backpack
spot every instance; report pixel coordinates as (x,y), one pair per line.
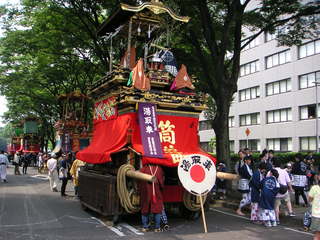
(283,189)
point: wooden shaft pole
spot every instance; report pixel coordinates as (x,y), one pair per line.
(203,216)
(140,176)
(227,176)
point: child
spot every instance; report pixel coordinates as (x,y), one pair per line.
(221,183)
(307,220)
(314,197)
(255,185)
(269,190)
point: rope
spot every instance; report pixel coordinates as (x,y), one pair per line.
(124,194)
(190,201)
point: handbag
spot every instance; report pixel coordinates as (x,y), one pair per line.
(243,184)
(62,173)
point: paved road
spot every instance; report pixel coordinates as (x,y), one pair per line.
(28,210)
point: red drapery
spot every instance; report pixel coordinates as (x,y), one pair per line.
(178,135)
(108,137)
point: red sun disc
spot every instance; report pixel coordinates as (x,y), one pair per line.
(197,173)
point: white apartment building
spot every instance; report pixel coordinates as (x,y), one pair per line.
(276,98)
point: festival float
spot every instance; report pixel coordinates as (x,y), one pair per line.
(15,141)
(72,129)
(146,112)
(30,140)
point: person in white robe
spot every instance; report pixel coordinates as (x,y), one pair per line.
(4,162)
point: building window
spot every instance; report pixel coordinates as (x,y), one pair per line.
(309,48)
(308,144)
(307,112)
(249,68)
(252,144)
(231,144)
(278,59)
(278,87)
(280,144)
(249,93)
(204,125)
(255,42)
(250,119)
(308,80)
(231,122)
(269,36)
(206,146)
(280,115)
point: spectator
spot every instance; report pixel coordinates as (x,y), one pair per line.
(269,190)
(52,172)
(264,159)
(299,170)
(311,171)
(16,163)
(25,162)
(314,197)
(285,181)
(245,173)
(271,157)
(240,163)
(289,169)
(4,162)
(63,174)
(74,171)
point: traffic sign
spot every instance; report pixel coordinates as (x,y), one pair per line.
(247,131)
(197,173)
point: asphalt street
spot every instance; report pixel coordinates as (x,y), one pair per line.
(29,210)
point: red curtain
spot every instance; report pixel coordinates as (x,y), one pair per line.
(179,137)
(108,137)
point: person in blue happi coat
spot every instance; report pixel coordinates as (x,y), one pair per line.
(245,172)
(255,185)
(269,190)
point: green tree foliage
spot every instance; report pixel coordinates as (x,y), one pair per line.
(50,47)
(216,36)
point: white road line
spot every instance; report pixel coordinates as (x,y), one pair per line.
(294,230)
(234,215)
(132,229)
(42,177)
(115,230)
(229,214)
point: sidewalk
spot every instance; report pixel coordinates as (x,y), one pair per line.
(297,221)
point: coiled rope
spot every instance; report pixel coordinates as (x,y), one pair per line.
(124,194)
(191,202)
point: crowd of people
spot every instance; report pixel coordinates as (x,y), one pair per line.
(266,184)
(60,166)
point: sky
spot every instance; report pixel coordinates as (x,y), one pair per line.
(3,101)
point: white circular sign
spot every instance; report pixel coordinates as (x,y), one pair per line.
(197,173)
